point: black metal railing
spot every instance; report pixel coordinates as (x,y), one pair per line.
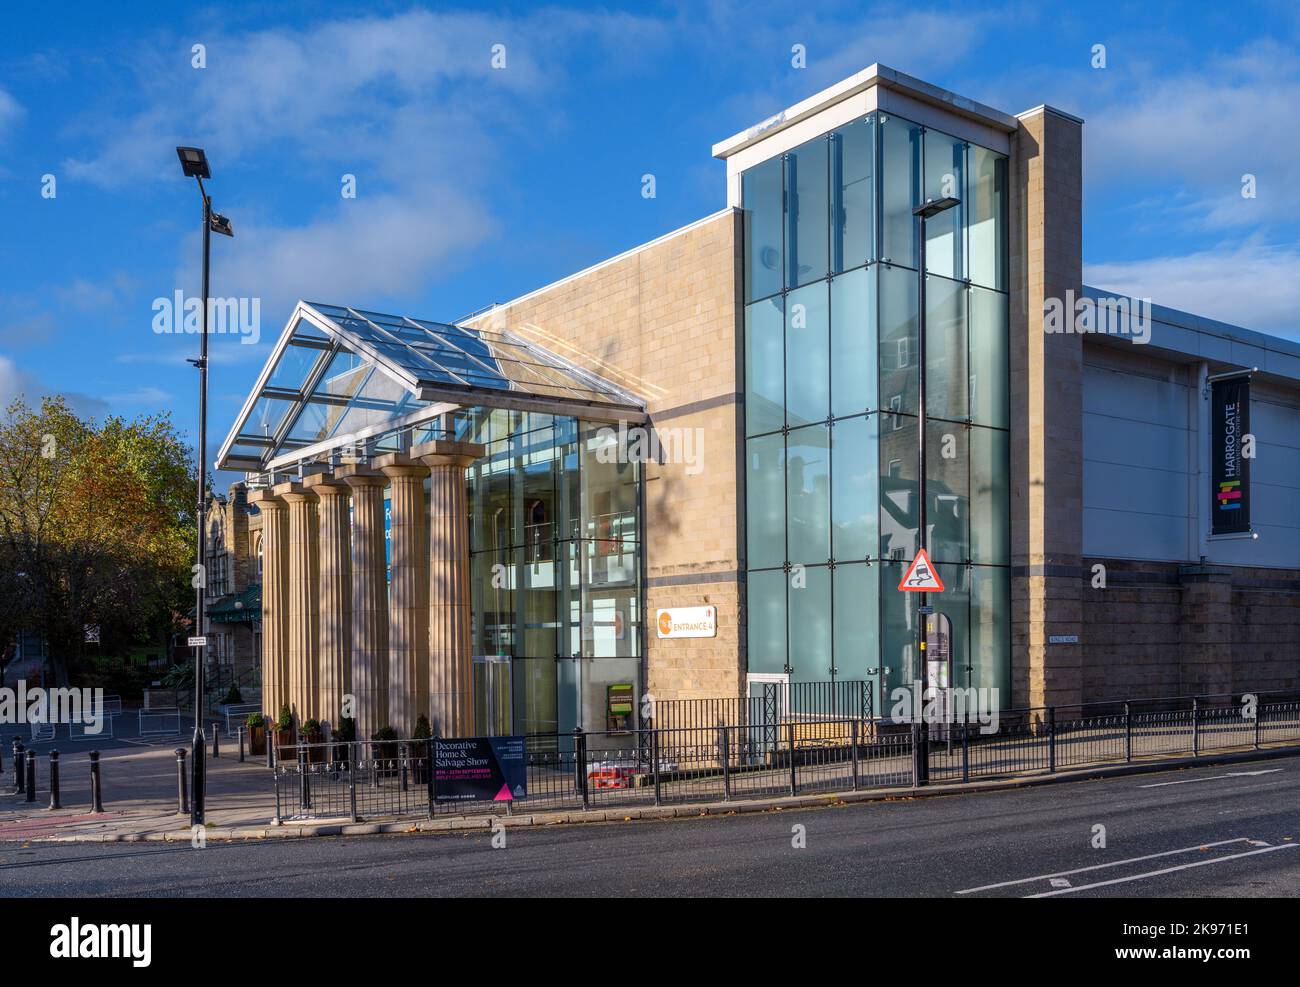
(776,750)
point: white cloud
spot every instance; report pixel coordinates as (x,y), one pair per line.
(1250,284)
(11,112)
(16,383)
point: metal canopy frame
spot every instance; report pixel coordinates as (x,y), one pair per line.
(438,368)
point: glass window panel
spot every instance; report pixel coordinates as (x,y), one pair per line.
(988,218)
(900,151)
(855,486)
(947,454)
(808,494)
(762,195)
(857,621)
(946,380)
(853,187)
(810,614)
(764,366)
(345,375)
(765,500)
(897,361)
(807,205)
(766,606)
(897,638)
(265,418)
(945,175)
(988,358)
(853,342)
(990,523)
(807,355)
(898,461)
(990,630)
(293,367)
(315,422)
(608,486)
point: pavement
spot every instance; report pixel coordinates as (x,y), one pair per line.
(1210,831)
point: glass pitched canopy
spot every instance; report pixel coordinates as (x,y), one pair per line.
(338,373)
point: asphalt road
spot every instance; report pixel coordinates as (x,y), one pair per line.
(1216,831)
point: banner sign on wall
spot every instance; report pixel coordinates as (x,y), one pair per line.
(1229,469)
(479,769)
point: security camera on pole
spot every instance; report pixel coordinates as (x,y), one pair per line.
(194,163)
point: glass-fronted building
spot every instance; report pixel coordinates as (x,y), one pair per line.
(831,402)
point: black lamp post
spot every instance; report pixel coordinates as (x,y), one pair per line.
(923,212)
(194,163)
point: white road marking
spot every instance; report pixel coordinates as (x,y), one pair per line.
(1167,870)
(1231,774)
(1060,882)
(1115,863)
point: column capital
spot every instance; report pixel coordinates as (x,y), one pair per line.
(446,452)
(324,485)
(265,499)
(397,464)
(291,492)
(360,476)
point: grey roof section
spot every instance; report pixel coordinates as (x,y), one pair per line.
(1196,337)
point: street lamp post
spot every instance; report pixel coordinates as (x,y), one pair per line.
(194,164)
(923,212)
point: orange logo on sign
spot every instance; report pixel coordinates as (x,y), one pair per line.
(665,623)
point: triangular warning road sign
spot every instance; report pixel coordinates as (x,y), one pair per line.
(921,576)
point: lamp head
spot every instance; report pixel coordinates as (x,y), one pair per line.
(193,162)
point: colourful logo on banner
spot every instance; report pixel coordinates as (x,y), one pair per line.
(1229,495)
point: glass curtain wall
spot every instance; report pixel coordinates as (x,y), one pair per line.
(831,404)
(554,550)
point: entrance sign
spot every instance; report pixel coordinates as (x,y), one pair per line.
(921,576)
(1229,469)
(687,622)
(479,769)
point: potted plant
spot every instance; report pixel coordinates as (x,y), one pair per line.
(283,729)
(384,751)
(310,733)
(419,750)
(256,724)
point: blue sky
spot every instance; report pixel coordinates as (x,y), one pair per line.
(477,184)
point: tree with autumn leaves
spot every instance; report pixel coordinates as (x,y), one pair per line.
(97,530)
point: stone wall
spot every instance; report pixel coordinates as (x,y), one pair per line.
(661,321)
(1164,629)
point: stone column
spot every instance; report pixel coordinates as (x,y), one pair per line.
(369,599)
(451,669)
(1047,578)
(275,600)
(304,593)
(334,660)
(408,593)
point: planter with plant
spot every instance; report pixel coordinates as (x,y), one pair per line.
(283,729)
(383,749)
(310,733)
(256,724)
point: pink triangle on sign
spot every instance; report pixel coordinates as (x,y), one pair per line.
(504,795)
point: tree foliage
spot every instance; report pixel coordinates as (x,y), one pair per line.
(96,528)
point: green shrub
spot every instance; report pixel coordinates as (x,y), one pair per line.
(284,722)
(310,728)
(233,696)
(346,731)
(255,720)
(422,729)
(384,733)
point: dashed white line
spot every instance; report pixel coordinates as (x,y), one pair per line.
(1167,870)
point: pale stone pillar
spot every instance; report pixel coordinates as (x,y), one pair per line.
(408,593)
(304,592)
(275,600)
(369,599)
(334,652)
(451,669)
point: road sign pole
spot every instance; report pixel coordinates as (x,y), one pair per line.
(922,755)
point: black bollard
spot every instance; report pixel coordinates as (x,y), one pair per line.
(241,745)
(54,780)
(216,742)
(20,783)
(304,784)
(31,776)
(182,793)
(96,792)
